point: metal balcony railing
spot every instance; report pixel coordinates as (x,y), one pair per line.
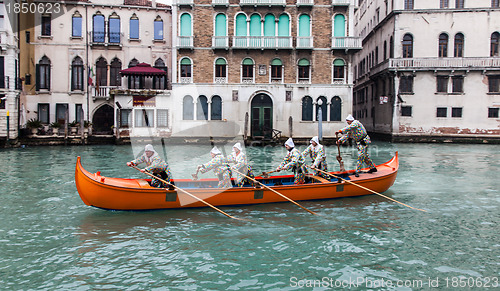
(305,42)
(220,42)
(346,43)
(262,42)
(99,38)
(185,42)
(263,2)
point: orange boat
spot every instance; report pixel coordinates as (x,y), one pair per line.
(136,194)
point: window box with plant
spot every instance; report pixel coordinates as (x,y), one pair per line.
(34,125)
(73,127)
(55,127)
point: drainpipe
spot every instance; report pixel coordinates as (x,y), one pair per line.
(87,59)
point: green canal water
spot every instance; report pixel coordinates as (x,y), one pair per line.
(50,240)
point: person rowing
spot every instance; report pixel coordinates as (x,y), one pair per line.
(241,165)
(357,132)
(317,153)
(220,167)
(154,165)
(294,161)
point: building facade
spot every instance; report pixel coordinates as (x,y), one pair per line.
(9,85)
(265,66)
(429,69)
(71,61)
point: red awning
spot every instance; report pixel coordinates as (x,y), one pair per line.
(143,69)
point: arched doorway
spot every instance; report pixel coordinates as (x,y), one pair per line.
(102,120)
(262,116)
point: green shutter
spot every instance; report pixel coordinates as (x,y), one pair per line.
(269,25)
(247,61)
(304,62)
(220,61)
(185,61)
(185,25)
(255,29)
(304,25)
(276,62)
(338,62)
(241,25)
(220,25)
(284,25)
(339,25)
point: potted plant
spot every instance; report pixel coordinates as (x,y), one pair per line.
(86,125)
(55,127)
(34,125)
(73,126)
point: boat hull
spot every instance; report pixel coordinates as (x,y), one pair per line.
(136,194)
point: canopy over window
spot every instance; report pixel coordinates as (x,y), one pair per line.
(143,69)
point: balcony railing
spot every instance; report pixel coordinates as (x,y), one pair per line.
(247,80)
(262,42)
(105,39)
(341,2)
(101,91)
(426,64)
(185,42)
(263,2)
(185,2)
(305,42)
(305,2)
(221,42)
(220,80)
(346,43)
(220,2)
(186,80)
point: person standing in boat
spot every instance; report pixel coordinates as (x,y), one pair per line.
(220,166)
(240,165)
(317,153)
(357,132)
(154,165)
(295,161)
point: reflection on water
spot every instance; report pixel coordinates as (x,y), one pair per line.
(50,239)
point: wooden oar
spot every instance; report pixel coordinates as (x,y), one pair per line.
(367,189)
(182,190)
(339,158)
(267,187)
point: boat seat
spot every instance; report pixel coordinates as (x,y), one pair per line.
(143,183)
(317,178)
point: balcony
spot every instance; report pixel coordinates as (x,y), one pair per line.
(262,42)
(185,42)
(305,2)
(101,92)
(185,2)
(305,42)
(100,38)
(431,64)
(346,43)
(186,80)
(220,42)
(220,3)
(341,2)
(263,2)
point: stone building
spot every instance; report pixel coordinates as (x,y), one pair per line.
(9,85)
(265,65)
(71,60)
(429,69)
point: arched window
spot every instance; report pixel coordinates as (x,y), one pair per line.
(338,71)
(339,25)
(247,69)
(77,74)
(443,45)
(459,45)
(185,27)
(220,70)
(186,70)
(324,108)
(160,82)
(269,25)
(134,82)
(187,108)
(307,108)
(76,22)
(158,28)
(408,46)
(43,74)
(255,30)
(98,28)
(202,108)
(304,33)
(220,25)
(495,41)
(102,72)
(240,30)
(216,108)
(114,72)
(134,27)
(336,109)
(284,25)
(276,71)
(303,71)
(134,62)
(114,28)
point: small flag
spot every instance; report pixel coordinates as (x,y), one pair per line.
(91,76)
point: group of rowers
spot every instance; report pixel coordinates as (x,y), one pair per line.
(236,164)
